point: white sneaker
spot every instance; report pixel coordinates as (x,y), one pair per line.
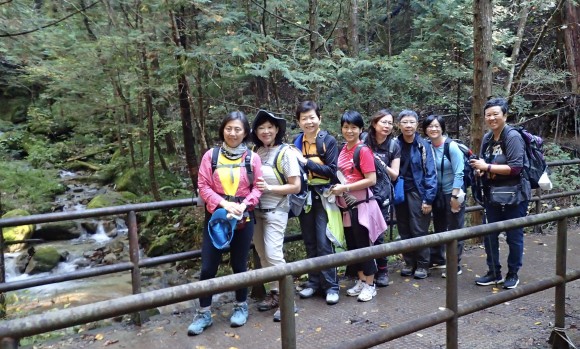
(367,293)
(356,289)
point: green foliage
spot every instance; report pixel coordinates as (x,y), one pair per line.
(25,187)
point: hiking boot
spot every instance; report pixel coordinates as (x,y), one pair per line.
(421,273)
(382,279)
(307,292)
(356,289)
(270,302)
(437,266)
(201,321)
(367,293)
(459,272)
(490,278)
(511,280)
(278,315)
(240,315)
(331,298)
(407,270)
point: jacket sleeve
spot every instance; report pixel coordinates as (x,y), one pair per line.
(430,175)
(330,159)
(253,197)
(206,184)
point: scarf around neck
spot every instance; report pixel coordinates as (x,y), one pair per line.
(233,153)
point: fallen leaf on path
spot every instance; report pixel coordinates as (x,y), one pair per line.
(99,337)
(318,329)
(110,342)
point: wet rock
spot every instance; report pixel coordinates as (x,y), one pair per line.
(22,261)
(56,231)
(90,227)
(19,233)
(110,259)
(111,198)
(44,259)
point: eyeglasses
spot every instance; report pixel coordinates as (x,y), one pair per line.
(408,123)
(386,123)
(433,127)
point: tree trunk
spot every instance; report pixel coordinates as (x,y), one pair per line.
(571,23)
(482,73)
(389,41)
(177,27)
(524,11)
(353,28)
(313,26)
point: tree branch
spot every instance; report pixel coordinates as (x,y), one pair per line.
(535,48)
(50,24)
(281,18)
(5,2)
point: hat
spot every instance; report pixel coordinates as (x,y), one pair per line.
(259,119)
(221,229)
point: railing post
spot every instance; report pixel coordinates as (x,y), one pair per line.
(451,294)
(558,338)
(140,317)
(288,322)
(538,228)
(8,343)
(2,276)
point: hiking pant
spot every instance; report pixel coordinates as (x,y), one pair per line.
(411,222)
(269,238)
(514,237)
(313,226)
(445,220)
(211,257)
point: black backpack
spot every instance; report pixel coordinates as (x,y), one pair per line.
(534,152)
(468,178)
(247,164)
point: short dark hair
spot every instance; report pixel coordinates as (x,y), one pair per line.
(497,102)
(352,117)
(428,120)
(407,112)
(305,106)
(235,115)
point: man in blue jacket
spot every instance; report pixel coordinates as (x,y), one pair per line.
(420,182)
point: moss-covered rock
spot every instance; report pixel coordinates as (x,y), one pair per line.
(44,259)
(22,232)
(111,198)
(14,108)
(160,246)
(132,180)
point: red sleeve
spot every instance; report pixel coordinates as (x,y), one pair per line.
(367,161)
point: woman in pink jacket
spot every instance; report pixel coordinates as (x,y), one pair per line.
(230,186)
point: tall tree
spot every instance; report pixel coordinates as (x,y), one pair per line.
(482,71)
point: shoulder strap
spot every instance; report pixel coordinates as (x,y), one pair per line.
(278,170)
(320,146)
(249,170)
(214,158)
(446,152)
(356,157)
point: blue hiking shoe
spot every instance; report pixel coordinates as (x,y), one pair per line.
(201,321)
(240,315)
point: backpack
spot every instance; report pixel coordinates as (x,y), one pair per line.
(383,188)
(468,178)
(295,201)
(534,152)
(247,164)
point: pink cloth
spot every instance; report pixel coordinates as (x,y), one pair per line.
(369,214)
(210,186)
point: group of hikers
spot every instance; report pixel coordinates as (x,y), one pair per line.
(249,194)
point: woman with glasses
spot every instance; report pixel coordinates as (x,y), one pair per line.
(420,183)
(362,220)
(448,211)
(383,144)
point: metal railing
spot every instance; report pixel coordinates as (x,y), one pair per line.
(12,330)
(145,301)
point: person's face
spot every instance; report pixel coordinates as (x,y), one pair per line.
(384,126)
(309,122)
(234,133)
(495,118)
(267,132)
(434,130)
(350,132)
(408,125)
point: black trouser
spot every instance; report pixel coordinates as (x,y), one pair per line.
(411,223)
